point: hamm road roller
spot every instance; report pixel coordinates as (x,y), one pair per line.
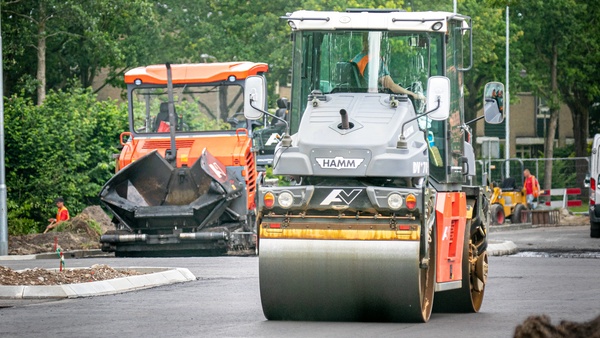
(380,219)
(186,176)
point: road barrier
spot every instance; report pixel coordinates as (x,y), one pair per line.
(569,197)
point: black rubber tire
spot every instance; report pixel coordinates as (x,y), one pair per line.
(518,215)
(497,214)
(594,230)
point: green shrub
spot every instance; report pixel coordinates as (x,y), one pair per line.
(61,148)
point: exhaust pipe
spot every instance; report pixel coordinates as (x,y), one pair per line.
(171,154)
(345,122)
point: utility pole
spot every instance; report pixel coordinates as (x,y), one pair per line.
(3,212)
(507,99)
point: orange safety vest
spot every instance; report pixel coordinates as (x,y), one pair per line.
(532,186)
(362,60)
(62,214)
(362,64)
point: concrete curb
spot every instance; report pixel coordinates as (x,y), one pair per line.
(53,255)
(153,277)
(501,248)
(507,227)
(504,248)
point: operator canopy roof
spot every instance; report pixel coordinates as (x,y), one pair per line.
(195,73)
(372,20)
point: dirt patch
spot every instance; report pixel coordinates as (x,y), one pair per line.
(541,327)
(82,232)
(37,276)
(567,218)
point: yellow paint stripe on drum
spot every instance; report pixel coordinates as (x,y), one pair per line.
(342,234)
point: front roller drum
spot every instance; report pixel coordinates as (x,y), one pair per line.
(345,280)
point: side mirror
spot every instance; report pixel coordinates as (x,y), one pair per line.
(254,93)
(438,88)
(493,102)
(586,181)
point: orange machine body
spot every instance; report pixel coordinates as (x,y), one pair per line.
(451,217)
(195,73)
(230,149)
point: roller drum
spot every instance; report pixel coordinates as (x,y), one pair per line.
(341,280)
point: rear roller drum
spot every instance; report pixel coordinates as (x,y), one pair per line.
(427,281)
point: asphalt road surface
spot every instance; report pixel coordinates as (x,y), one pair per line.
(575,239)
(225,300)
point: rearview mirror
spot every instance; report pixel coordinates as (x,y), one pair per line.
(586,181)
(254,93)
(493,102)
(438,88)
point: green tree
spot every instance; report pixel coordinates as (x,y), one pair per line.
(62,148)
(547,56)
(229,30)
(76,39)
(578,76)
(111,36)
(41,20)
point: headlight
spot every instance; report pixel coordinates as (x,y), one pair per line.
(285,199)
(394,201)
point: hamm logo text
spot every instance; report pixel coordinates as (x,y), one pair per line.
(339,163)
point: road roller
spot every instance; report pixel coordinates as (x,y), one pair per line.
(378,216)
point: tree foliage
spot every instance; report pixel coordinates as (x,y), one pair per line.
(229,30)
(62,148)
(557,61)
(51,41)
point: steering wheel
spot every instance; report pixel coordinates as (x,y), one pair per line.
(417,88)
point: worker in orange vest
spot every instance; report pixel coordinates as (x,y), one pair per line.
(61,215)
(531,187)
(362,60)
